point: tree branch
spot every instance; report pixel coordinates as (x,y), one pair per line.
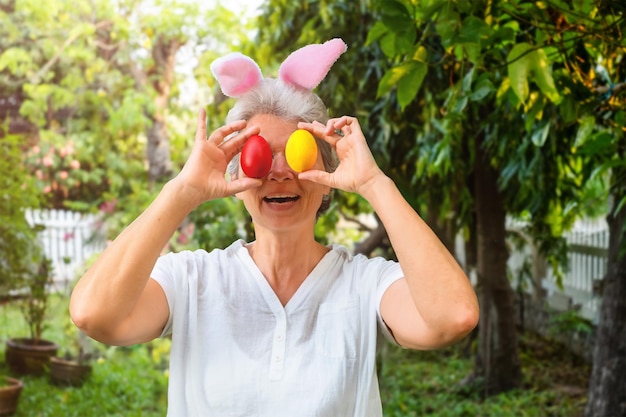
(614,88)
(375,239)
(35,79)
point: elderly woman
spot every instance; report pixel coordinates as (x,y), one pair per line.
(282,325)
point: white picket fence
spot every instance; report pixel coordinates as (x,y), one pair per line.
(588,243)
(68,238)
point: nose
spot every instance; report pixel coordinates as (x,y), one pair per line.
(280,170)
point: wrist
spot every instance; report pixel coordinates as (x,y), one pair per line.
(371,189)
(176,192)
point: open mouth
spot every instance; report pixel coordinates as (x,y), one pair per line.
(281,199)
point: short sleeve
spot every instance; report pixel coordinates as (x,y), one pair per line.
(164,274)
(388,273)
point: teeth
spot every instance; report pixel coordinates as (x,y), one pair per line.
(281,198)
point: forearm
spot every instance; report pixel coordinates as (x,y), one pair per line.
(106,295)
(439,288)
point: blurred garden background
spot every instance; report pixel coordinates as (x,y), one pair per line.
(502,122)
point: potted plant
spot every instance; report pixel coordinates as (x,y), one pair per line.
(70,370)
(73,367)
(10,389)
(31,355)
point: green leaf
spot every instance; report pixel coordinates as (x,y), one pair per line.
(447,23)
(542,72)
(388,44)
(427,9)
(17,60)
(582,7)
(460,104)
(518,69)
(540,135)
(524,62)
(470,50)
(473,30)
(405,39)
(585,129)
(567,109)
(600,143)
(409,85)
(391,78)
(504,35)
(420,54)
(467,80)
(620,119)
(376,32)
(393,44)
(482,89)
(395,16)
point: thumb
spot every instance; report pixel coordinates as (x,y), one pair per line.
(317,176)
(242,184)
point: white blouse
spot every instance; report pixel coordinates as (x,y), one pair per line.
(236,351)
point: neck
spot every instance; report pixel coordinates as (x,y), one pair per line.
(286,260)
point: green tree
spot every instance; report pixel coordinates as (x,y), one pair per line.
(513,85)
(58,63)
(489,99)
(19,249)
(104,79)
(398,141)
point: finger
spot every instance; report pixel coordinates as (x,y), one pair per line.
(201,125)
(319,130)
(333,126)
(317,176)
(233,145)
(345,125)
(316,128)
(242,184)
(223,132)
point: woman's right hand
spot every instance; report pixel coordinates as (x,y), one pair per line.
(203,177)
(115,302)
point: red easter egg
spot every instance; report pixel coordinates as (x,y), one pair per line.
(256,157)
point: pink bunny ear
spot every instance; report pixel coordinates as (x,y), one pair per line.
(236,73)
(307,67)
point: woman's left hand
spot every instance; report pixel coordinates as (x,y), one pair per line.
(357,168)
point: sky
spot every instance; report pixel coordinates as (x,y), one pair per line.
(247,7)
(186,60)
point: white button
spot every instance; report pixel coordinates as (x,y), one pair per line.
(277,358)
(279,337)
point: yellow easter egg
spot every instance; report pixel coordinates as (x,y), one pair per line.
(301,150)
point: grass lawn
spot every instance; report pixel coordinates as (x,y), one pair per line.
(416,383)
(125,382)
(132,381)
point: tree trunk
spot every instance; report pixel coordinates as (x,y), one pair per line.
(607,385)
(374,240)
(443,228)
(158,152)
(161,75)
(497,359)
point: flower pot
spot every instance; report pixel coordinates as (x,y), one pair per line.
(24,357)
(68,372)
(10,390)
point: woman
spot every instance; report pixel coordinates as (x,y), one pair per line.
(282,325)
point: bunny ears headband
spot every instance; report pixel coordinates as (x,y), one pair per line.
(305,68)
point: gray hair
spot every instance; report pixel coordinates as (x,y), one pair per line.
(274,97)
